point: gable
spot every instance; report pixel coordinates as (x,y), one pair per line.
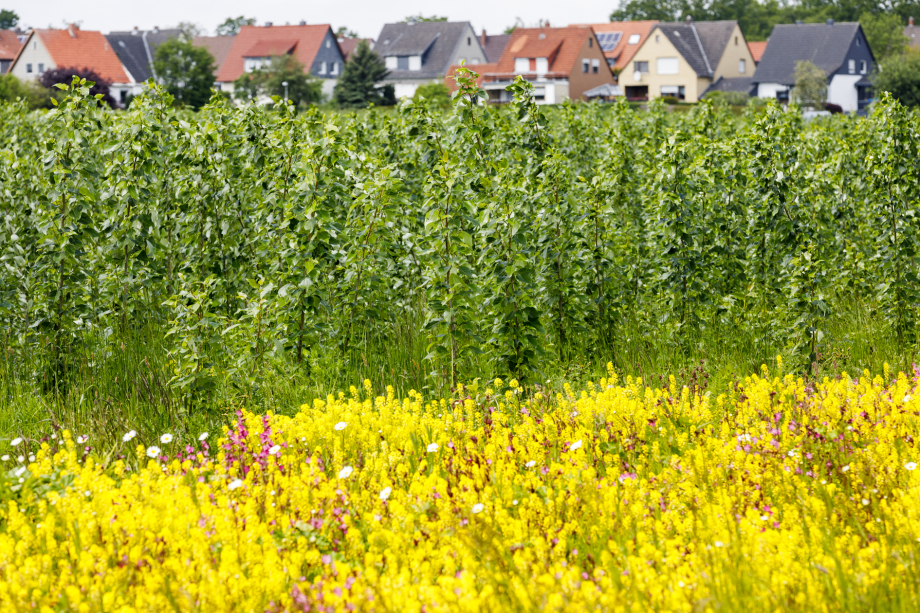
(431,46)
(825,45)
(305,43)
(736,49)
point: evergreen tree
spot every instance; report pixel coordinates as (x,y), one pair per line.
(357,87)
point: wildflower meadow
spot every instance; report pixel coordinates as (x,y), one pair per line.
(492,358)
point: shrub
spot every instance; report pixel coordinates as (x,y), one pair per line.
(50,78)
(728,98)
(434,93)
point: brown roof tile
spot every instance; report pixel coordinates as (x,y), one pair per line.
(348,45)
(9,44)
(76,48)
(561,47)
(757,49)
(219,46)
(308,39)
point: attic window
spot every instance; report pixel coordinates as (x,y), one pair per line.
(590,42)
(469,41)
(542,36)
(657,38)
(736,41)
(857,42)
(633,39)
(328,43)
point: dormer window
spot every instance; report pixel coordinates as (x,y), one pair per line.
(521,65)
(403,62)
(633,39)
(251,64)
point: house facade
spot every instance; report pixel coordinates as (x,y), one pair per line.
(314,46)
(684,59)
(48,49)
(839,49)
(136,49)
(620,40)
(422,52)
(560,62)
(10,43)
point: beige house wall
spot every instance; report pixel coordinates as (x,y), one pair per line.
(657,46)
(736,50)
(35,53)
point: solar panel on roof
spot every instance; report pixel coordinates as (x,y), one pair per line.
(609,40)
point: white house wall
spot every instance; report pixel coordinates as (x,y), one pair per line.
(34,53)
(329,87)
(407,90)
(842,91)
(769,90)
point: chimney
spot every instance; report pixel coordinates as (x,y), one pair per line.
(830,22)
(910,21)
(72,30)
(303,22)
(689,19)
(156,29)
(134,31)
(485,37)
(268,24)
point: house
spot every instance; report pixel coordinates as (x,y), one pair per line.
(560,62)
(348,45)
(621,39)
(757,48)
(219,48)
(314,46)
(684,59)
(71,47)
(9,47)
(136,50)
(912,33)
(422,52)
(493,45)
(839,49)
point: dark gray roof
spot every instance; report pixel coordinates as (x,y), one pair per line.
(824,45)
(435,41)
(132,50)
(494,45)
(685,37)
(714,35)
(736,84)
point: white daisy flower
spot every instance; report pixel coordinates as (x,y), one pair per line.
(236,483)
(911,466)
(478,507)
(575,445)
(203,436)
(128,435)
(346,472)
(153,451)
(166,438)
(341,425)
(274,450)
(432,447)
(385,493)
(82,439)
(531,464)
(16,441)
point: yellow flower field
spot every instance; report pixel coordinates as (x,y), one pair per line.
(617,497)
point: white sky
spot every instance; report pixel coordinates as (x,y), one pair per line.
(364,16)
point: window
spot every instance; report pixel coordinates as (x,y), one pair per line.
(782,96)
(736,42)
(741,66)
(41,68)
(474,60)
(667,65)
(469,41)
(640,67)
(677,91)
(657,38)
(29,68)
(539,93)
(608,40)
(590,42)
(328,43)
(851,66)
(633,39)
(521,65)
(391,62)
(403,63)
(334,68)
(322,68)
(585,64)
(595,66)
(863,67)
(542,65)
(123,96)
(415,62)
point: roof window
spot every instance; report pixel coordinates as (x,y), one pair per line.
(609,40)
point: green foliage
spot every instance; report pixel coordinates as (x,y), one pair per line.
(422,18)
(34,96)
(302,88)
(810,85)
(8,19)
(728,98)
(345,32)
(186,71)
(436,94)
(231,25)
(899,75)
(357,87)
(884,33)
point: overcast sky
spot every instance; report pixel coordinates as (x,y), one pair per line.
(364,16)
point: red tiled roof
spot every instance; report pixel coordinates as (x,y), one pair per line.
(348,45)
(9,44)
(624,51)
(268,48)
(307,38)
(479,69)
(76,48)
(561,47)
(757,49)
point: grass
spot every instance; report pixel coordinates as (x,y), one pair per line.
(112,387)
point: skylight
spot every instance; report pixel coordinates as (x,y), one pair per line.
(633,39)
(609,40)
